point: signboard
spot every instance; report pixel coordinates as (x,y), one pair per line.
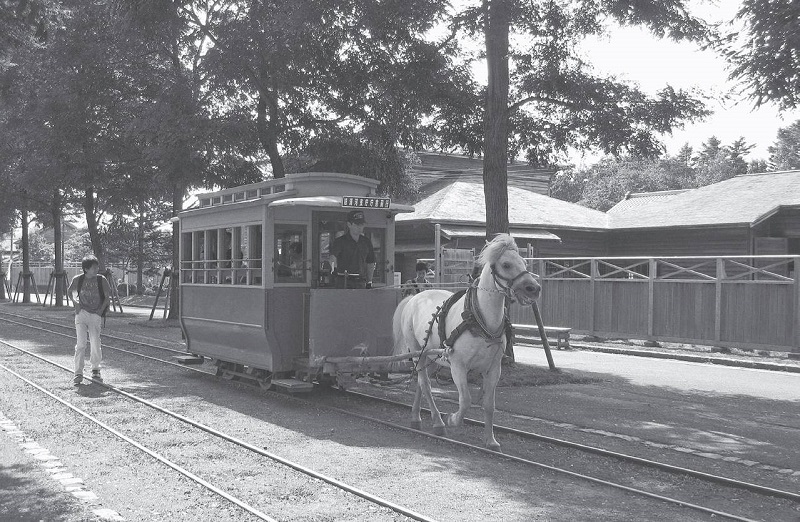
(365,202)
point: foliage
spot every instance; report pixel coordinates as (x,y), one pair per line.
(765,51)
(76,246)
(556,99)
(122,244)
(784,154)
(604,184)
(367,156)
(304,69)
(25,23)
(40,249)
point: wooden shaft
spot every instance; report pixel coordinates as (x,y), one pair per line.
(543,335)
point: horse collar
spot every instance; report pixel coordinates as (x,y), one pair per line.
(471,319)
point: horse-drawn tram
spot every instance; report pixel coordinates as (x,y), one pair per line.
(257,293)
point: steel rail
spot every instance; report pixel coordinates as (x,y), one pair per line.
(608,453)
(676,469)
(109,336)
(230,438)
(122,350)
(534,463)
(186,473)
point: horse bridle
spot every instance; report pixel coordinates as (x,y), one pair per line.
(509,282)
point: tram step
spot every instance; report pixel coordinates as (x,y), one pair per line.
(293,385)
(189,359)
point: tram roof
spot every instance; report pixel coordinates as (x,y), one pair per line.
(330,202)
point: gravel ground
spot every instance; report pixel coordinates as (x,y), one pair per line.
(434,478)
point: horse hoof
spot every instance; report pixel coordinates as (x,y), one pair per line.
(416,425)
(439,430)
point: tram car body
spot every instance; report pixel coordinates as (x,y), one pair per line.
(256,292)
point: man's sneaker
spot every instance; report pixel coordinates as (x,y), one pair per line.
(78,379)
(96,376)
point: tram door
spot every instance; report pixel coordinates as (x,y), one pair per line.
(292,276)
(326,227)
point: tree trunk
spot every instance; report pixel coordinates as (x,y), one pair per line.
(91,224)
(495,136)
(140,251)
(177,206)
(268,135)
(58,241)
(26,259)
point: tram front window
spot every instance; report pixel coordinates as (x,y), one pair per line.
(289,255)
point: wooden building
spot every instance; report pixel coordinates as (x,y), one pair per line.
(545,225)
(753,214)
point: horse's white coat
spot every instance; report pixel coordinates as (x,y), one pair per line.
(470,351)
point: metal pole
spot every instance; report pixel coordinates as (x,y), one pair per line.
(543,335)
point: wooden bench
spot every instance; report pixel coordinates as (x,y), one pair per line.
(559,333)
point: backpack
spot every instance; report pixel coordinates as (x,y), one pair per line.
(99,288)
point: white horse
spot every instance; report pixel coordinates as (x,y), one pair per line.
(477,343)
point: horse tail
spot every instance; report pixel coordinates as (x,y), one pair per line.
(400,345)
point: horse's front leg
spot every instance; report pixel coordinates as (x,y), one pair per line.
(424,384)
(416,419)
(490,380)
(459,374)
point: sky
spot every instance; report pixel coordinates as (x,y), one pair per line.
(634,55)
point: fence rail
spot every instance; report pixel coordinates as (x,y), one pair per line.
(41,274)
(734,301)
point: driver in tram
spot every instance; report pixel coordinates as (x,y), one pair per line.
(352,255)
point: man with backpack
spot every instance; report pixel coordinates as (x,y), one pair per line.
(91,294)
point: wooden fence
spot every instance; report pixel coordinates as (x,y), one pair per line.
(736,301)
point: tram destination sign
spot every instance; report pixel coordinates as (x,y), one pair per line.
(365,202)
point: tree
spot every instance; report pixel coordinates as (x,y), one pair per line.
(764,51)
(604,184)
(543,97)
(310,71)
(784,154)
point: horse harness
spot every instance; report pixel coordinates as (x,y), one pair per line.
(471,320)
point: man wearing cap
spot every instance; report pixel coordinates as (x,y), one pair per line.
(353,255)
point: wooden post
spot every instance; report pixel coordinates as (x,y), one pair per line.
(4,286)
(651,286)
(718,300)
(592,306)
(437,260)
(158,294)
(795,353)
(543,335)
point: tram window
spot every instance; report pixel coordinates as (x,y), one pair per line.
(378,238)
(198,254)
(289,256)
(222,256)
(186,257)
(212,249)
(252,259)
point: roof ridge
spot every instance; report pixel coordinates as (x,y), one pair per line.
(769,173)
(631,195)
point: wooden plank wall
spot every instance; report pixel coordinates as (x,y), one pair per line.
(730,308)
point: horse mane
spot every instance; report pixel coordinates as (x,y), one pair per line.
(495,248)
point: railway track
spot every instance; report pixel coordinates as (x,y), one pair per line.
(734,485)
(220,441)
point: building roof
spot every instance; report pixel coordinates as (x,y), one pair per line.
(436,170)
(463,203)
(744,200)
(641,199)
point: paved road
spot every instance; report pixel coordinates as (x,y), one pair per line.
(678,375)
